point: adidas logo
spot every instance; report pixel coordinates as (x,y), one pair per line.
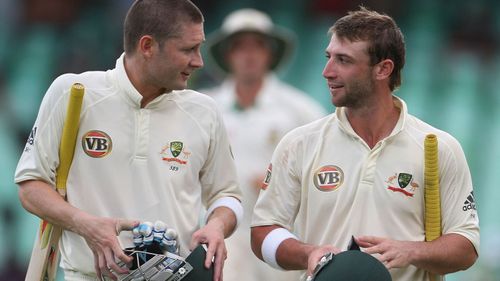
(469,203)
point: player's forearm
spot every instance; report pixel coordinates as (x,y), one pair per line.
(291,254)
(41,199)
(225,219)
(449,253)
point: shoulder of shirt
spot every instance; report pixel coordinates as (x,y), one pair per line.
(195,98)
(91,80)
(85,78)
(419,129)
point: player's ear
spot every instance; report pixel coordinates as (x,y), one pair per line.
(383,69)
(146,45)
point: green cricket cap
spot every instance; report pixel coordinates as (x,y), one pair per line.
(353,266)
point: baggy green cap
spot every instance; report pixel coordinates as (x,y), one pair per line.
(353,266)
(197,260)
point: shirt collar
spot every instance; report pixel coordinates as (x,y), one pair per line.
(128,88)
(400,125)
(398,102)
(124,83)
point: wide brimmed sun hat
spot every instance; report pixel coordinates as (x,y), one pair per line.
(250,20)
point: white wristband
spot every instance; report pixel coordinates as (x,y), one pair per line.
(272,242)
(228,202)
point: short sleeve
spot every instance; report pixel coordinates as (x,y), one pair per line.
(218,176)
(40,156)
(280,196)
(458,206)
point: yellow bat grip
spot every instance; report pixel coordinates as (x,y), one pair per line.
(432,195)
(66,150)
(69,135)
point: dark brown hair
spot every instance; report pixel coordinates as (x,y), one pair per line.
(385,39)
(161,19)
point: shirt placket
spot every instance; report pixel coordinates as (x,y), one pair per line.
(142,134)
(369,167)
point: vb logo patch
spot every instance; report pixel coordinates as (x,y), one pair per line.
(96,144)
(405,184)
(328,178)
(175,151)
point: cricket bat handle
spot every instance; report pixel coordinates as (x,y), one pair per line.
(45,254)
(432,192)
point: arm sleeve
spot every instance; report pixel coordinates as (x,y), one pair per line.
(40,156)
(218,175)
(279,201)
(458,206)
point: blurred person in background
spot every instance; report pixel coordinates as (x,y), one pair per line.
(149,150)
(360,171)
(258,109)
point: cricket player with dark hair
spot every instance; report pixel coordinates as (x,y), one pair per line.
(360,171)
(147,149)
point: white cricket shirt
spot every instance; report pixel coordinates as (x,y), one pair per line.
(326,184)
(160,162)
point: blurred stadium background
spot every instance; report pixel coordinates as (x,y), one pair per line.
(451,80)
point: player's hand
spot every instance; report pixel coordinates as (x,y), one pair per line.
(393,253)
(212,234)
(101,236)
(317,254)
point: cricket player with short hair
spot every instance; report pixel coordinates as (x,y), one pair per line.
(360,171)
(147,149)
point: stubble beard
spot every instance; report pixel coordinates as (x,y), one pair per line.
(357,94)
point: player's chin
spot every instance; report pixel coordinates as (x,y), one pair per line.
(180,85)
(337,98)
(336,101)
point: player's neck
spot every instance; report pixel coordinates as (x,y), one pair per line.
(136,76)
(375,121)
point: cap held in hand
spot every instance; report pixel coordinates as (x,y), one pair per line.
(352,266)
